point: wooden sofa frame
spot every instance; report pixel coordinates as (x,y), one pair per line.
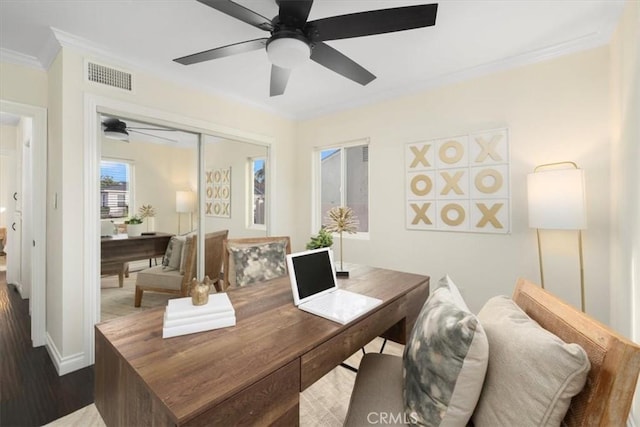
(615,361)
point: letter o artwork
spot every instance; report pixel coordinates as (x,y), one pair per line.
(444,152)
(459,219)
(421,185)
(492,188)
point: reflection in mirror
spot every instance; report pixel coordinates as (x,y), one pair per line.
(235,187)
(151,172)
(145,172)
(234,184)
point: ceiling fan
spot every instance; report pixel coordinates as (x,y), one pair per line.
(294,39)
(117,129)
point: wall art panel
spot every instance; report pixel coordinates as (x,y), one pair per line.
(459,183)
(218,192)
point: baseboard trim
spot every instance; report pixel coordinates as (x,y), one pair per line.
(64,365)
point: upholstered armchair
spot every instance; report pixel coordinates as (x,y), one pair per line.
(254,259)
(179,266)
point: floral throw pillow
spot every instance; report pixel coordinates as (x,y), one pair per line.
(259,263)
(445,360)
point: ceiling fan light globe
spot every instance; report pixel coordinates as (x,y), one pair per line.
(288,52)
(118,134)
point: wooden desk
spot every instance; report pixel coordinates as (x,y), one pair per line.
(248,374)
(121,248)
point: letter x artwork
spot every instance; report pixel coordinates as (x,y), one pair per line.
(459,183)
(218,192)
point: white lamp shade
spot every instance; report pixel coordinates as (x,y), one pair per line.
(185,201)
(288,52)
(557,199)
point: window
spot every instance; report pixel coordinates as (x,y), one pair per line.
(115,188)
(258,187)
(344,181)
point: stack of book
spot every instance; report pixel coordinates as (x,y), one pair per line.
(182,317)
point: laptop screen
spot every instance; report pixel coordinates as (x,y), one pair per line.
(311,273)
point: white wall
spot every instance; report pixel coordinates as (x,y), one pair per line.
(22,84)
(625,206)
(557,110)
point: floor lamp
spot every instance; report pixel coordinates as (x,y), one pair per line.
(185,201)
(556,199)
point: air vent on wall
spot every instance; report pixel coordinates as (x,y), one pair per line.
(109,76)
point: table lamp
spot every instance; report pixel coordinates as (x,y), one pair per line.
(185,203)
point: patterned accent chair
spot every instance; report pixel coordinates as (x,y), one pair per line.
(177,280)
(254,259)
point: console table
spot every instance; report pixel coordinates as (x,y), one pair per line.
(251,373)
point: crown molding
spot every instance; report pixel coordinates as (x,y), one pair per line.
(13,57)
(579,44)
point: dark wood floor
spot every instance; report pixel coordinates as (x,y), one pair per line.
(31,392)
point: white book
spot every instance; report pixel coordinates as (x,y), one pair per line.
(192,328)
(180,308)
(168,323)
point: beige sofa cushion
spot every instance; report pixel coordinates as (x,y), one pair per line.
(159,277)
(377,394)
(532,374)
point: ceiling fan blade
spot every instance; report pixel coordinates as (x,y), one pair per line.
(221,52)
(328,57)
(279,79)
(294,13)
(371,22)
(152,135)
(240,12)
(159,129)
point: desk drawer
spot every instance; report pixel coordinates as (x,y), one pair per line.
(274,400)
(322,359)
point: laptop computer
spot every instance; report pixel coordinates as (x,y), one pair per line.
(315,288)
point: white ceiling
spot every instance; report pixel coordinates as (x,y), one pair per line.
(470,38)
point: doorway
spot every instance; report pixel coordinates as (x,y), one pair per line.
(24,203)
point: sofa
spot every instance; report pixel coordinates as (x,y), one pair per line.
(517,383)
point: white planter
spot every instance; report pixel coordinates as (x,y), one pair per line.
(134,230)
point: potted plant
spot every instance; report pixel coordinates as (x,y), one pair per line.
(134,226)
(322,240)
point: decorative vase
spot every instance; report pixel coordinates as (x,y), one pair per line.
(134,230)
(200,291)
(151,223)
